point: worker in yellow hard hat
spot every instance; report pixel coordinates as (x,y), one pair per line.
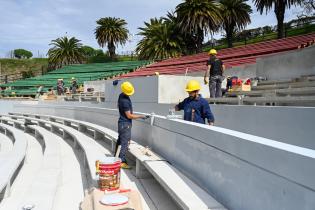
(215,69)
(196,108)
(125,121)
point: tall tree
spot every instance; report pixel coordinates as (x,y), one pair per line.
(21,53)
(235,15)
(279,8)
(159,41)
(198,17)
(111,31)
(65,51)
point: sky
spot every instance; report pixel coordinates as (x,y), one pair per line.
(32,24)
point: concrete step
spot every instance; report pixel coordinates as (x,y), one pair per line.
(25,177)
(6,144)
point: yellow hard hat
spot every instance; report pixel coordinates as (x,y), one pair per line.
(127,88)
(192,85)
(213,52)
(72,78)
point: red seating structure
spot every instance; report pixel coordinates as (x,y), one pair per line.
(231,57)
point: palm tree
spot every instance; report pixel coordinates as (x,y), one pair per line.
(160,40)
(65,51)
(198,17)
(235,15)
(279,8)
(111,31)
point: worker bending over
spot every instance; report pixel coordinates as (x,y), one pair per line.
(196,109)
(125,121)
(216,68)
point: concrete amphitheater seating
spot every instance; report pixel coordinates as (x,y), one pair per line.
(231,57)
(232,166)
(11,162)
(82,72)
(298,91)
(185,192)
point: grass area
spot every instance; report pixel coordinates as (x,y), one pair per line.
(291,32)
(13,66)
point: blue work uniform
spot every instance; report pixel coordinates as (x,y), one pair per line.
(124,125)
(196,110)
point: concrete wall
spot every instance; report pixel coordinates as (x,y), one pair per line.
(293,125)
(287,65)
(243,72)
(156,89)
(242,171)
(99,86)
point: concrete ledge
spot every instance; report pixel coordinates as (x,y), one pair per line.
(231,166)
(11,163)
(187,194)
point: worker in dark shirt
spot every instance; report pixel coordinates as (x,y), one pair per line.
(125,121)
(74,85)
(196,109)
(216,68)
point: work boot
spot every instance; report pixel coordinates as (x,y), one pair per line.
(125,166)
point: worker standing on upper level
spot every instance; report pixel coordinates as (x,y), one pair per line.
(216,68)
(125,121)
(196,109)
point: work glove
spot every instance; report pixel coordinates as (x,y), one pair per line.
(146,117)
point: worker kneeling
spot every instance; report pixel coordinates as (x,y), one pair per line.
(196,109)
(125,121)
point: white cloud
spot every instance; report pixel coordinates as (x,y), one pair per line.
(32,24)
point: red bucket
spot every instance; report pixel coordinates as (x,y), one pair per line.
(109,174)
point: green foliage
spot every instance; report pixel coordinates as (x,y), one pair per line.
(65,51)
(197,17)
(279,8)
(111,31)
(27,74)
(14,66)
(100,57)
(160,40)
(235,16)
(21,53)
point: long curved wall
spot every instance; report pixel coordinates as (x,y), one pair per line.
(242,171)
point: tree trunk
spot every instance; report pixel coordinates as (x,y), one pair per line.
(279,11)
(229,36)
(200,38)
(111,50)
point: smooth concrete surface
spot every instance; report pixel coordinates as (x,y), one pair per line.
(293,125)
(7,106)
(155,89)
(98,86)
(25,177)
(287,65)
(240,170)
(243,72)
(6,144)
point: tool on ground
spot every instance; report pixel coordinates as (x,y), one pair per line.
(114,200)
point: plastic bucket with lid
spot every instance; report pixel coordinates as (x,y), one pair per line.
(109,173)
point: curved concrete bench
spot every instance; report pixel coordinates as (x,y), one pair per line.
(185,192)
(11,163)
(13,122)
(42,192)
(6,143)
(99,131)
(92,150)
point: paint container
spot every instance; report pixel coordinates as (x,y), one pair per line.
(109,173)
